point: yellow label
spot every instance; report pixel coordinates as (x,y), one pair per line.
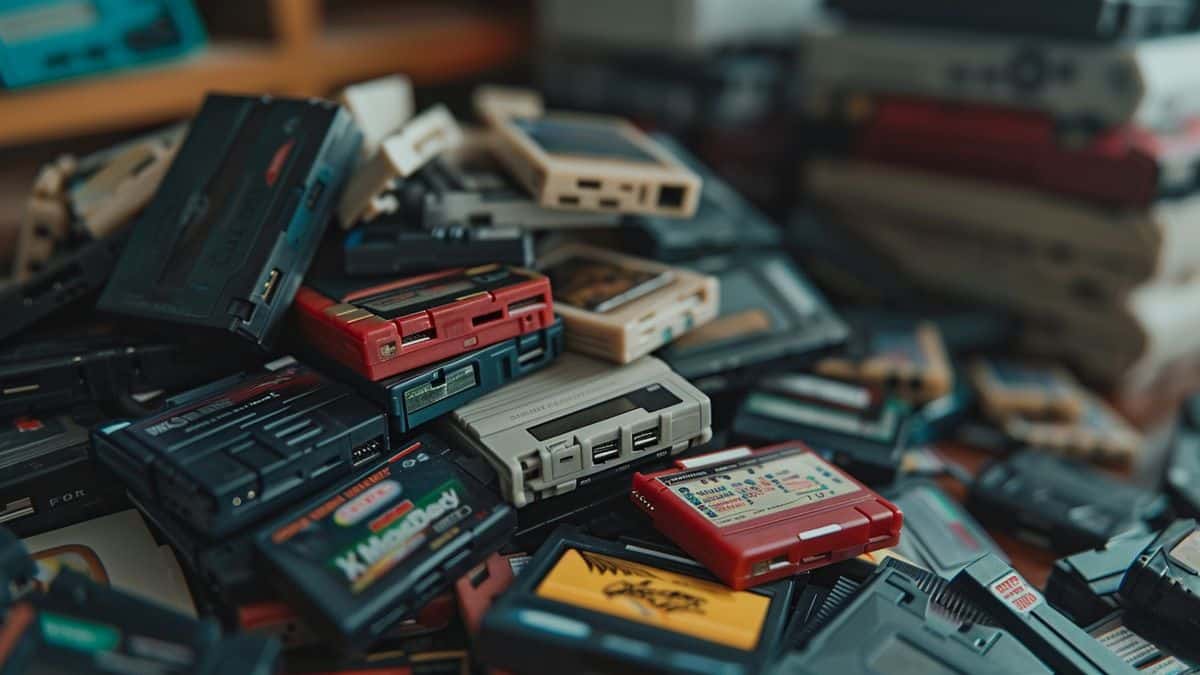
(656,597)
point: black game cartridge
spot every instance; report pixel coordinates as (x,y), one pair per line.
(220,456)
(236,221)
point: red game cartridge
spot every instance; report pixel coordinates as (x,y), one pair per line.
(386,329)
(754,516)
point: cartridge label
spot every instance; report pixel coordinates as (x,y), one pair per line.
(429,393)
(656,597)
(754,488)
(1016,593)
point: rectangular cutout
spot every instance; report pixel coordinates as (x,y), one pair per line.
(606,451)
(487,318)
(524,304)
(414,338)
(588,184)
(568,200)
(609,203)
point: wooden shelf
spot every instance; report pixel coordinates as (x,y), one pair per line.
(429,43)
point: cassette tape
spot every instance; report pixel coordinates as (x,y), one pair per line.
(91,197)
(574,161)
(1009,388)
(724,221)
(379,108)
(419,396)
(619,307)
(627,608)
(47,476)
(382,329)
(220,456)
(754,516)
(1084,586)
(1083,87)
(911,362)
(1088,20)
(1141,654)
(1015,605)
(238,217)
(769,315)
(1124,166)
(377,249)
(919,622)
(359,558)
(854,426)
(88,627)
(1162,586)
(55,370)
(1101,435)
(68,278)
(53,40)
(1061,504)
(579,420)
(939,535)
(1182,479)
(468,187)
(400,155)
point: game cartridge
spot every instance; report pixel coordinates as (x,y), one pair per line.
(619,307)
(47,477)
(219,456)
(579,420)
(856,427)
(88,627)
(1059,503)
(912,363)
(468,187)
(238,217)
(912,621)
(360,558)
(1100,434)
(1010,388)
(1115,633)
(1084,586)
(67,279)
(768,316)
(381,249)
(575,161)
(383,329)
(754,516)
(1016,606)
(478,588)
(379,108)
(418,396)
(631,608)
(939,534)
(724,221)
(400,155)
(1162,586)
(57,369)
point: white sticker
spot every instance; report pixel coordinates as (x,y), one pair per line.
(731,494)
(1017,592)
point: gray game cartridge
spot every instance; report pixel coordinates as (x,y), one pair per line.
(579,419)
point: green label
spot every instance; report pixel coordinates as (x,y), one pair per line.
(419,398)
(78,634)
(396,533)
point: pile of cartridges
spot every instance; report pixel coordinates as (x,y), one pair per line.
(1030,159)
(344,386)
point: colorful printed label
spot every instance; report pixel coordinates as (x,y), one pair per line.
(394,534)
(655,597)
(754,488)
(1017,593)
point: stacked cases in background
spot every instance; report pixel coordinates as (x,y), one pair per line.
(1042,164)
